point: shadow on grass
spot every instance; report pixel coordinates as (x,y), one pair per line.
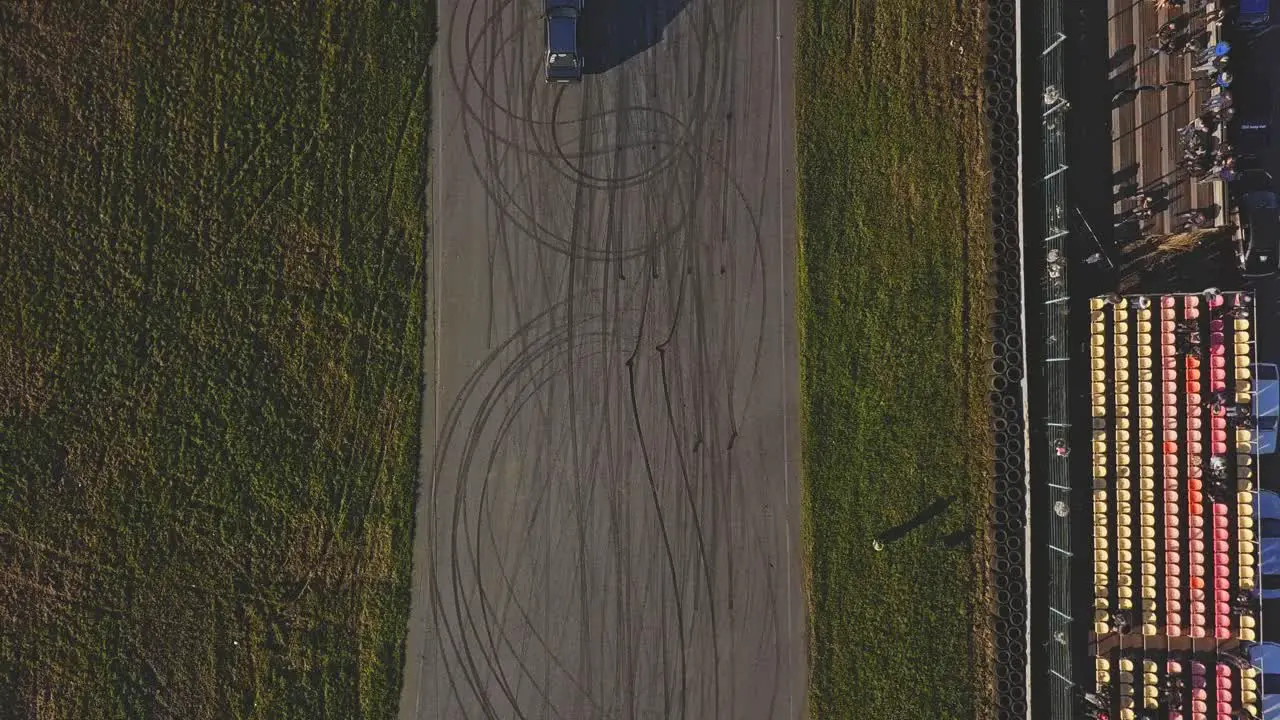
(931,511)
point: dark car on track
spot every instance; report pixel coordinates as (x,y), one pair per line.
(564,60)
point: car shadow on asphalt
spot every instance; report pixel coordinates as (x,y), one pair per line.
(611,32)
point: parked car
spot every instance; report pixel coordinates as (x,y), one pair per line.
(1253,16)
(1266,405)
(1268,539)
(1266,657)
(1260,215)
(564,60)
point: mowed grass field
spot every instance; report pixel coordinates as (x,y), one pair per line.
(896,246)
(211,226)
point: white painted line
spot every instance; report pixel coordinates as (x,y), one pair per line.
(1026,407)
(782,320)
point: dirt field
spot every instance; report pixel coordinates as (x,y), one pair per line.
(896,242)
(212,227)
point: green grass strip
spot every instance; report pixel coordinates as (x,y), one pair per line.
(210,349)
(894,206)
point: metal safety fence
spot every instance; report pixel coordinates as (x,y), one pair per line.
(1054,534)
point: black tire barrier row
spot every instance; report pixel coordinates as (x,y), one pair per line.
(1009,501)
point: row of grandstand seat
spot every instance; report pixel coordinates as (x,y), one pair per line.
(1171,448)
(1180,684)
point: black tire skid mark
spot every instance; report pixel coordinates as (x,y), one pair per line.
(649,249)
(503,198)
(528,119)
(480,422)
(492,104)
(510,375)
(504,428)
(472,449)
(666,543)
(506,244)
(450,426)
(487,609)
(548,353)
